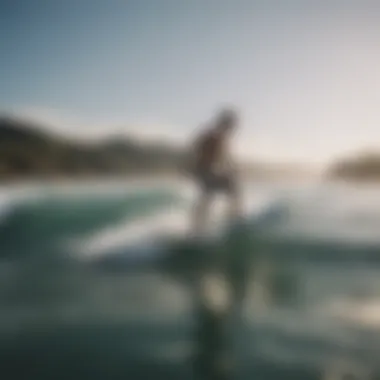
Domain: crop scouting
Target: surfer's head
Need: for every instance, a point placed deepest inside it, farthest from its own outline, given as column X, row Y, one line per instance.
column 226, row 120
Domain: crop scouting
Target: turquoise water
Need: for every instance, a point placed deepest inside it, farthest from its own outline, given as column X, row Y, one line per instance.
column 95, row 281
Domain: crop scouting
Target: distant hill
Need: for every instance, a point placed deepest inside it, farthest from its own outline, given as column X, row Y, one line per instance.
column 362, row 167
column 27, row 151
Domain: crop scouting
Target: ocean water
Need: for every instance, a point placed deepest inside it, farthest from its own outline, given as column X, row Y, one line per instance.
column 95, row 281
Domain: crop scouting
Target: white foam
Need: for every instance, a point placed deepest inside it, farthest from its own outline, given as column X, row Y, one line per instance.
column 141, row 232
column 362, row 312
column 351, row 216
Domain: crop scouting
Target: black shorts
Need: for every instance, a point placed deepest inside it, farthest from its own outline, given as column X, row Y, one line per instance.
column 211, row 182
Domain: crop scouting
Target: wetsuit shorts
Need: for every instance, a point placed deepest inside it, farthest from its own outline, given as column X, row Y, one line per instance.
column 211, row 182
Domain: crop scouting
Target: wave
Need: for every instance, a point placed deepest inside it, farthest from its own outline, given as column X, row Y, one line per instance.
column 151, row 236
column 137, row 220
column 42, row 225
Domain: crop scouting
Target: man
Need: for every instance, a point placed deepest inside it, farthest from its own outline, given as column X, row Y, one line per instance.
column 213, row 169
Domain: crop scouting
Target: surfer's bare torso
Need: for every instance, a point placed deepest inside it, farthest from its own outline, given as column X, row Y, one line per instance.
column 211, row 166
column 210, row 151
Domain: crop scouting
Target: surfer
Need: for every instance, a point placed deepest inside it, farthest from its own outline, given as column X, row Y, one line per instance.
column 213, row 169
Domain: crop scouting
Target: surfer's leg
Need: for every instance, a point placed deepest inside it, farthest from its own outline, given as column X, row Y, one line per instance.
column 234, row 201
column 201, row 213
column 202, row 206
column 234, row 207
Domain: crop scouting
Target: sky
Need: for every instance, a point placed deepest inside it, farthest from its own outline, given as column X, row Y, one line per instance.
column 304, row 75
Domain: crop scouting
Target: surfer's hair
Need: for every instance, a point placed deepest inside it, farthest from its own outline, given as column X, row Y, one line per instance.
column 227, row 117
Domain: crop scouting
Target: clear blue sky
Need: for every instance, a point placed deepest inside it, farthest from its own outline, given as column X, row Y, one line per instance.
column 304, row 74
